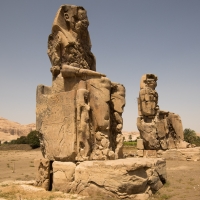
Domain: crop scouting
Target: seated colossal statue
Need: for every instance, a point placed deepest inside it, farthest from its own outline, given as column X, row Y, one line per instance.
column 80, row 116
column 159, row 129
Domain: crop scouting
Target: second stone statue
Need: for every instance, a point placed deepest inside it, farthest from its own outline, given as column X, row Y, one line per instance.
column 159, row 129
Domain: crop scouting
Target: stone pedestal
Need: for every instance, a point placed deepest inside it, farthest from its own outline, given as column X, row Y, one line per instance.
column 134, row 178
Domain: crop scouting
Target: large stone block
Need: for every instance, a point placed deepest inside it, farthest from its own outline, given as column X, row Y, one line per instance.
column 63, row 175
column 56, row 123
column 134, row 178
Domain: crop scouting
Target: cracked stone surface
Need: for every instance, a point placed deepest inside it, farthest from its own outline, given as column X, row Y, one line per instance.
column 118, row 178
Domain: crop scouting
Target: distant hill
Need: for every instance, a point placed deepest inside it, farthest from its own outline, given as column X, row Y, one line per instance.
column 12, row 130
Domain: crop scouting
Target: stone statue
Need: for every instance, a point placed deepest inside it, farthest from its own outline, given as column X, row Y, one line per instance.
column 80, row 116
column 83, row 132
column 159, row 129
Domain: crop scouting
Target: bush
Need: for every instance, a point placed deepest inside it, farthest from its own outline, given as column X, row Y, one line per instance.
column 21, row 140
column 191, row 137
column 32, row 139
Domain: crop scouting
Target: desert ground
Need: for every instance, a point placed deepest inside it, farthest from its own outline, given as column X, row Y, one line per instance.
column 17, row 173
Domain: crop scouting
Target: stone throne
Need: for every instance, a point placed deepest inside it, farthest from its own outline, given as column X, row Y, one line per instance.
column 80, row 116
column 159, row 129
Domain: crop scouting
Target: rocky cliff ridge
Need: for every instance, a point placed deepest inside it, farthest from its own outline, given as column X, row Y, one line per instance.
column 12, row 130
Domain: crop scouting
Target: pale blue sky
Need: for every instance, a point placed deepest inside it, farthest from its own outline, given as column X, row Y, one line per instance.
column 129, row 38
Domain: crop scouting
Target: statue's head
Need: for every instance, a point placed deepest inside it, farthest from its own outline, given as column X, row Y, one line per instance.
column 71, row 17
column 151, row 83
column 148, row 80
column 69, row 43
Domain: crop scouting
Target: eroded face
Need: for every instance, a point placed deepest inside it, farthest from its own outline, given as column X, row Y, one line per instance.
column 83, row 22
column 151, row 83
column 82, row 14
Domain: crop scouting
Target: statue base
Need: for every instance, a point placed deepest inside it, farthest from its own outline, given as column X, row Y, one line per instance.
column 135, row 178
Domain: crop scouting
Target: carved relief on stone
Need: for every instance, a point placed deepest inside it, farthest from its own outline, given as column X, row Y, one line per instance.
column 69, row 43
column 99, row 89
column 100, row 117
column 83, row 125
column 56, row 124
column 158, row 129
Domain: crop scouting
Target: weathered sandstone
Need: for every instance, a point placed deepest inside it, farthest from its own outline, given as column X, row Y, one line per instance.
column 43, row 173
column 131, row 178
column 80, row 117
column 159, row 129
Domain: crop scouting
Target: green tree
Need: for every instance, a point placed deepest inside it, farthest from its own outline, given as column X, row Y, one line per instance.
column 33, row 139
column 191, row 137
